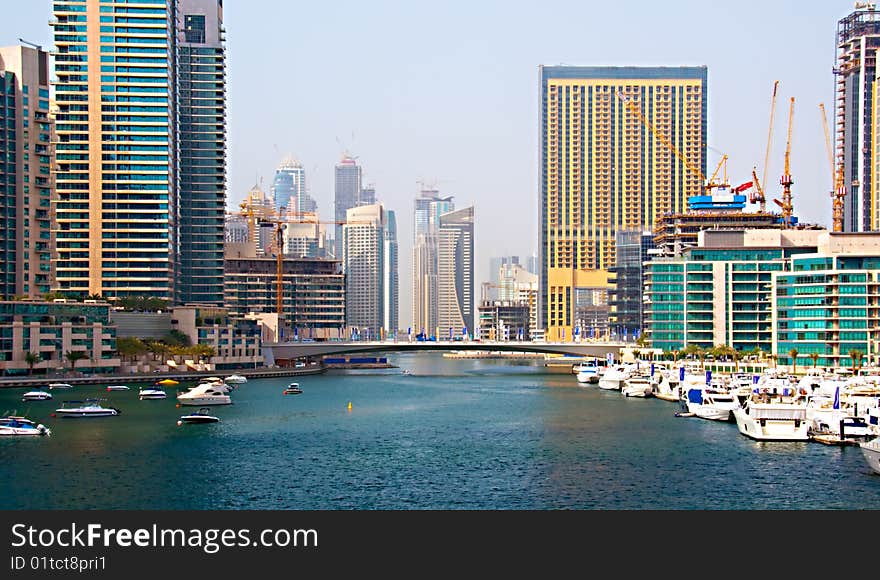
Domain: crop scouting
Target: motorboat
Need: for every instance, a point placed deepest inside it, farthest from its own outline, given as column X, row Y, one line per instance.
column 613, row 379
column 204, row 394
column 292, row 389
column 16, row 426
column 665, row 388
column 87, row 408
column 54, row 386
column 713, row 404
column 777, row 417
column 36, row 396
column 201, row 416
column 117, row 388
column 151, row 393
column 871, row 451
column 588, row 373
column 236, row 379
column 638, row 386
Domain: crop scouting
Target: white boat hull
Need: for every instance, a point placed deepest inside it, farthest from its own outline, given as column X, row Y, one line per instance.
column 871, row 451
column 771, row 429
column 204, row 401
column 77, row 413
column 711, row 412
column 23, row 431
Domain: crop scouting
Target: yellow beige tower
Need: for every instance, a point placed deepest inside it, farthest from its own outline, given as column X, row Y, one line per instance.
column 620, row 146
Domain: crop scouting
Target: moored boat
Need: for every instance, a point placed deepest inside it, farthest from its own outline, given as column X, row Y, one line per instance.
column 17, row 426
column 871, row 451
column 205, row 394
column 781, row 417
column 152, row 393
column 86, row 408
column 36, row 396
column 292, row 389
column 196, row 417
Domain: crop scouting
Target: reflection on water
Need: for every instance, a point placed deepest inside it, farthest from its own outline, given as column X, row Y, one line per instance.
column 451, row 434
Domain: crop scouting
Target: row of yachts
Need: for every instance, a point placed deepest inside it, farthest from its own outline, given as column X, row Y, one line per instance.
column 829, row 406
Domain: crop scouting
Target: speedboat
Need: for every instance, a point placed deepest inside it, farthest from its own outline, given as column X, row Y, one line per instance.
column 201, row 416
column 13, row 425
column 236, row 379
column 149, row 393
column 871, row 451
column 87, row 408
column 710, row 403
column 117, row 388
column 766, row 417
column 613, row 379
column 292, row 389
column 204, row 394
column 36, row 396
column 60, row 386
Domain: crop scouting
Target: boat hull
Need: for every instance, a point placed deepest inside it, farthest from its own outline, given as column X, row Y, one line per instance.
column 204, row 401
column 72, row 413
column 35, row 397
column 871, row 451
column 771, row 429
column 193, row 420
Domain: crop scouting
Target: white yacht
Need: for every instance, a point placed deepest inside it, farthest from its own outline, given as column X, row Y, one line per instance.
column 236, row 379
column 714, row 404
column 118, row 388
column 667, row 387
column 780, row 417
column 60, row 386
column 205, row 394
column 36, row 396
column 152, row 393
column 588, row 373
column 871, row 451
column 637, row 386
column 87, row 408
column 613, row 378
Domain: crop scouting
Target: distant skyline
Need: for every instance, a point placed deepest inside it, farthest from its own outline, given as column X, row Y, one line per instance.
column 448, row 94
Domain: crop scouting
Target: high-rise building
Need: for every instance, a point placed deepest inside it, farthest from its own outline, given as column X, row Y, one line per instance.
column 201, row 61
column 289, row 188
column 25, row 182
column 619, row 148
column 140, row 148
column 429, row 206
column 391, row 282
column 455, row 273
column 367, row 196
column 627, row 293
column 347, row 188
column 497, row 266
column 363, row 263
column 855, row 116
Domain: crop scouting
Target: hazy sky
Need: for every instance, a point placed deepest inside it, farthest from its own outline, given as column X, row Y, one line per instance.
column 448, row 93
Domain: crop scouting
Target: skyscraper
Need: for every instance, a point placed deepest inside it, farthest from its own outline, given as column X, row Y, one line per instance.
column 855, row 113
column 391, row 283
column 25, row 185
column 603, row 168
column 289, row 188
column 363, row 263
column 455, row 273
column 140, row 156
column 429, row 206
column 202, row 146
column 347, row 188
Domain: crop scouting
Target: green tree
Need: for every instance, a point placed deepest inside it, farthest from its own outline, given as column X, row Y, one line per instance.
column 793, row 353
column 73, row 356
column 815, row 357
column 130, row 347
column 31, row 359
column 176, row 338
column 856, row 356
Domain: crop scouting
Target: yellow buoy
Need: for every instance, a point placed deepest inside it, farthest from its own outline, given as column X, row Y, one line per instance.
column 349, row 405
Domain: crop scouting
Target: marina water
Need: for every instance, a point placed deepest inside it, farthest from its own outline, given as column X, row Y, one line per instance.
column 446, row 434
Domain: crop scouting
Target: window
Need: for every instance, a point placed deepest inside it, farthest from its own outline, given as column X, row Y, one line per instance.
column 194, row 28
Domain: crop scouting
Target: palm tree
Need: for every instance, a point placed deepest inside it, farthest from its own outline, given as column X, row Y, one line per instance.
column 815, row 357
column 75, row 355
column 793, row 353
column 31, row 359
column 856, row 356
column 773, row 358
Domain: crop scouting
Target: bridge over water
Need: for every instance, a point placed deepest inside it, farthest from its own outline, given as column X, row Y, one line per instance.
column 282, row 353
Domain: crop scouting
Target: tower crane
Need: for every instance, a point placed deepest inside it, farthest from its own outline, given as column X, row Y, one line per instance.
column 839, row 191
column 786, row 181
column 710, row 183
column 758, row 195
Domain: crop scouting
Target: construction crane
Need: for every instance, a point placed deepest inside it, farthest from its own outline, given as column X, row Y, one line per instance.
column 709, row 184
column 758, row 195
column 786, row 181
column 839, row 191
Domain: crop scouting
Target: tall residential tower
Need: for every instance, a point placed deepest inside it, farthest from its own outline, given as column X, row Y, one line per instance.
column 603, row 169
column 25, row 182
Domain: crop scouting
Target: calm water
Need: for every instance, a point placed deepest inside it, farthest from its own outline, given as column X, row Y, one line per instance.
column 455, row 434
